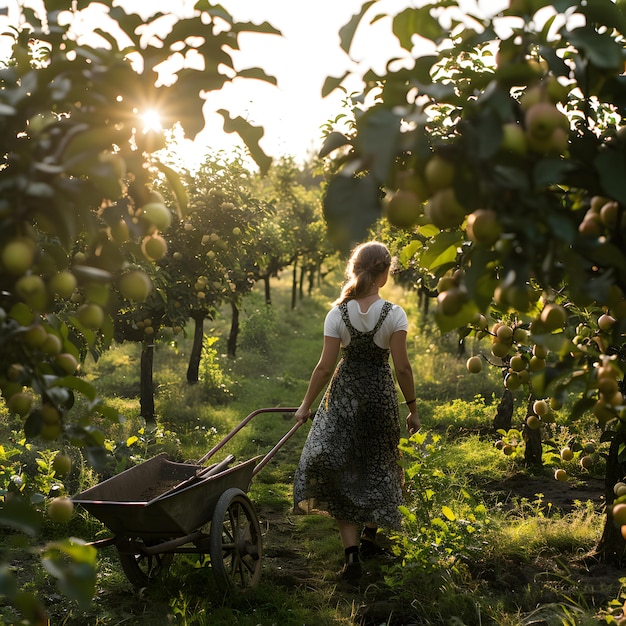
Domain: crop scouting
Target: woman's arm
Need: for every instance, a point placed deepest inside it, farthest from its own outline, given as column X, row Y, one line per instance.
column 320, row 376
column 404, row 375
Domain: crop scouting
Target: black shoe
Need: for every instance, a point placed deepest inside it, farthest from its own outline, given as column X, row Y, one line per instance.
column 351, row 572
column 370, row 550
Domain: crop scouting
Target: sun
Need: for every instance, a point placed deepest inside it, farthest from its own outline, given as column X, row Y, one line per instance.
column 151, row 120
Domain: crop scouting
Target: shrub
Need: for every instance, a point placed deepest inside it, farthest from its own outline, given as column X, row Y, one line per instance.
column 215, row 382
column 258, row 331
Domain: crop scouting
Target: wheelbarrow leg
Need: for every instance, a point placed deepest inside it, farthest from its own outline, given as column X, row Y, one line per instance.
column 236, row 545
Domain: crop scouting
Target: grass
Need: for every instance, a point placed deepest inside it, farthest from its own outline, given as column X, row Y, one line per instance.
column 474, row 555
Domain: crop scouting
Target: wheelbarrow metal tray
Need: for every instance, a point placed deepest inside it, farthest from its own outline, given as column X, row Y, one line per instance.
column 140, row 501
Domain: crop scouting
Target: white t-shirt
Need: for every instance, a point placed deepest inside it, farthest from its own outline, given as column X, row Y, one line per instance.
column 396, row 320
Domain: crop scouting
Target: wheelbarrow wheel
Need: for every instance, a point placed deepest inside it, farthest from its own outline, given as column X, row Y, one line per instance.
column 235, row 541
column 143, row 569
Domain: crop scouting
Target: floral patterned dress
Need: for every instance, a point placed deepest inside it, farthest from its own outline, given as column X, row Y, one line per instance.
column 349, row 464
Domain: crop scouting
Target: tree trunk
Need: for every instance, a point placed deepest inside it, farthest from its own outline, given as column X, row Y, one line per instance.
column 612, row 546
column 294, row 284
column 266, row 283
column 231, row 346
column 193, row 368
column 504, row 412
column 146, row 387
column 301, row 284
column 533, row 448
column 312, row 274
column 532, row 439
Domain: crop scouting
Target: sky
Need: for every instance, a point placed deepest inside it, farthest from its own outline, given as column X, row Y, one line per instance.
column 293, row 112
column 308, row 51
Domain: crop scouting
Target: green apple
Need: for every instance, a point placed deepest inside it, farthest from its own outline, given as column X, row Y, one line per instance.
column 514, row 139
column 62, row 464
column 63, row 283
column 158, row 214
column 404, row 209
column 20, row 403
column 483, row 227
column 542, row 119
column 619, row 514
column 90, row 316
column 606, row 322
column 119, row 232
column 560, row 474
column 35, row 336
column 18, row 256
column 553, row 316
column 532, row 421
column 52, row 344
column 451, row 301
column 61, row 509
column 474, row 364
column 444, row 210
column 67, row 362
column 135, row 285
column 32, row 289
column 541, row 407
column 439, row 173
column 154, row 247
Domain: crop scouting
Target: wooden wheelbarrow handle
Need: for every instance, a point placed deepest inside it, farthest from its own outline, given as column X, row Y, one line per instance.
column 245, row 421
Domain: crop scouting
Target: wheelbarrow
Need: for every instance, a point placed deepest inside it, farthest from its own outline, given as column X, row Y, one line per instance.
column 160, row 508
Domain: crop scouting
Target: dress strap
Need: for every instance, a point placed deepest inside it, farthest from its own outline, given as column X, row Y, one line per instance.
column 343, row 309
column 383, row 315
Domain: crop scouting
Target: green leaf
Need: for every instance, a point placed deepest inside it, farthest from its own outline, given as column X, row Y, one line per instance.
column 351, row 206
column 606, row 13
column 73, row 564
column 428, row 230
column 173, row 179
column 378, row 132
column 249, row 27
column 258, row 74
column 333, row 141
column 442, row 250
column 78, row 384
column 21, row 314
column 251, row 136
column 551, row 172
column 602, row 50
column 331, row 83
column 448, row 513
column 8, row 582
column 346, row 33
column 409, row 251
column 611, row 165
column 420, row 22
column 447, row 323
column 17, row 513
column 97, row 457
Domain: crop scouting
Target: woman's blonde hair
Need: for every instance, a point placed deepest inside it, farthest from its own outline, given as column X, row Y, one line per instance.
column 367, row 262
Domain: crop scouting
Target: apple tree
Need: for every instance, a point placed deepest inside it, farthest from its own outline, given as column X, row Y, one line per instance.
column 214, row 250
column 76, row 177
column 503, row 144
column 297, row 202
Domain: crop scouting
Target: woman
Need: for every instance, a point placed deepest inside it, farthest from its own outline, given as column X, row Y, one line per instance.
column 349, row 464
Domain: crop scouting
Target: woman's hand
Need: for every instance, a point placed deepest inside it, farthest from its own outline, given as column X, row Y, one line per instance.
column 302, row 414
column 413, row 423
